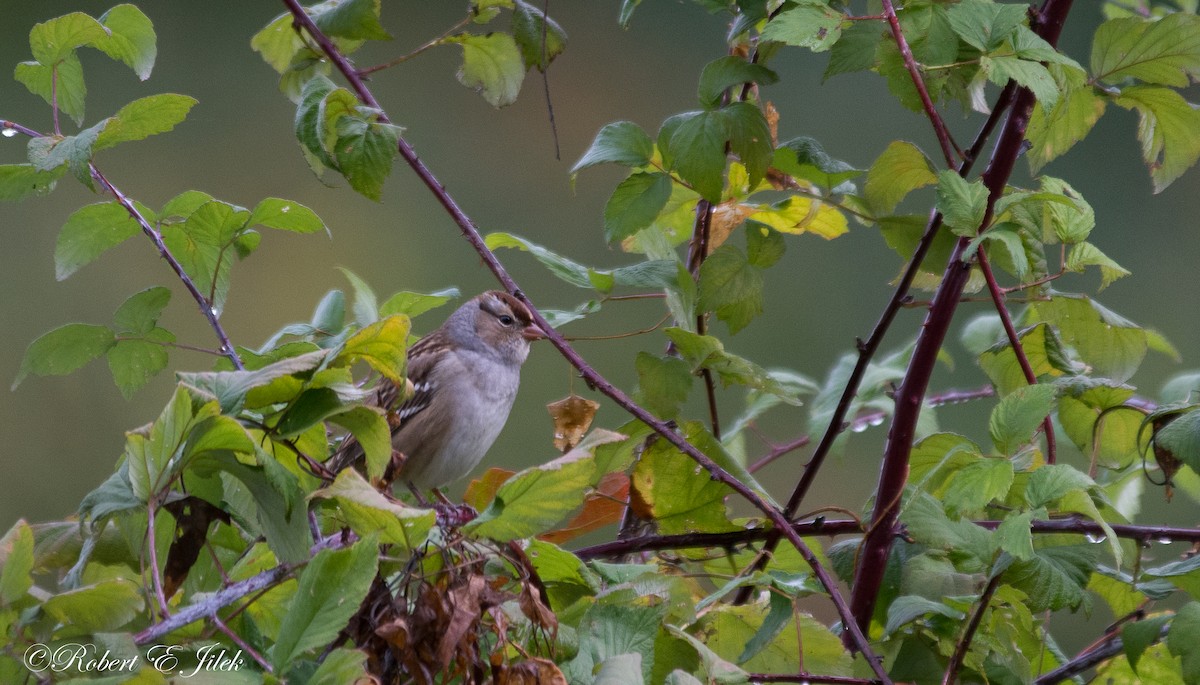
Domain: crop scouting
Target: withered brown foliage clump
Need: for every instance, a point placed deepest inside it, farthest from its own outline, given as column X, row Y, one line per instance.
column 449, row 617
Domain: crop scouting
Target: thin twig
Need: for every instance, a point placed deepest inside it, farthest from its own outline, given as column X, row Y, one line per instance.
column 152, row 549
column 165, row 343
column 593, row 378
column 1018, row 349
column 697, row 253
column 964, row 641
column 545, row 69
column 868, row 419
column 155, row 237
column 949, row 148
column 241, row 643
column 616, row 336
column 433, row 43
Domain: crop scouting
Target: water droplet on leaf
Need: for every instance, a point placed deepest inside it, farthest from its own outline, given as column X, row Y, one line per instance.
column 9, row 132
column 1095, row 538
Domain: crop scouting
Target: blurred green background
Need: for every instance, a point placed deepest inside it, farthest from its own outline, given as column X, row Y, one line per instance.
column 60, row 437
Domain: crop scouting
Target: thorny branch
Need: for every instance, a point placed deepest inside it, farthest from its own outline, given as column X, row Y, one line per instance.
column 471, row 233
column 152, row 233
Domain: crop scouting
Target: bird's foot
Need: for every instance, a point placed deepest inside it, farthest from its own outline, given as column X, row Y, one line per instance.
column 451, row 515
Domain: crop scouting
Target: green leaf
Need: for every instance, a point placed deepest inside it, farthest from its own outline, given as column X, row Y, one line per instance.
column 1167, row 126
column 635, row 204
column 901, row 169
column 88, row 233
column 1183, row 639
column 414, row 304
column 725, row 72
column 705, row 351
column 650, row 274
column 342, row 665
column 64, row 350
column 811, row 25
column 310, row 407
column 804, row 158
column 182, row 205
column 285, row 215
column 1138, row 635
column 330, row 590
column 371, row 430
column 1089, row 414
column 536, row 499
column 134, row 362
column 382, row 345
column 764, row 247
column 984, row 24
column 1014, row 535
column 1027, row 73
column 1086, row 254
column 1043, row 350
column 855, row 50
column 74, row 151
column 663, row 384
column 1053, row 131
column 1018, row 414
column 138, row 314
column 732, row 287
column 364, row 152
column 1052, row 482
column 679, row 496
column 1112, row 345
column 973, row 487
column 54, row 40
column 367, row 511
column 621, row 142
column 1055, row 578
column 492, row 66
column 103, row 607
column 352, row 19
column 62, row 83
column 143, row 118
column 1164, row 51
column 229, row 388
column 749, row 138
column 908, row 608
column 529, row 27
column 16, row 563
column 19, row 181
column 1181, row 437
column 266, row 495
column 203, row 243
column 131, row 39
column 696, row 148
column 962, row 204
column 366, row 304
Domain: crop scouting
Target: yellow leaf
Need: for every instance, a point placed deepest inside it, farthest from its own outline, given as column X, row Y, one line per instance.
column 804, row 215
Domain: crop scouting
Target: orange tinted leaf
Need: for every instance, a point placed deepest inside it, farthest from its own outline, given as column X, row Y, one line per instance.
column 603, row 506
column 482, row 490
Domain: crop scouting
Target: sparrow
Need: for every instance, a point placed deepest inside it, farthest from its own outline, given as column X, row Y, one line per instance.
column 464, row 378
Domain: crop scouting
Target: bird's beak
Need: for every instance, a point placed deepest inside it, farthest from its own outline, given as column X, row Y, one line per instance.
column 533, row 332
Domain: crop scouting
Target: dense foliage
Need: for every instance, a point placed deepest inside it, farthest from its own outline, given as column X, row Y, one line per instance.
column 223, row 545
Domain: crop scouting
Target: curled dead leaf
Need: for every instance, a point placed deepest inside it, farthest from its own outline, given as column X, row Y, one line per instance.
column 772, row 116
column 535, row 671
column 725, row 218
column 572, row 417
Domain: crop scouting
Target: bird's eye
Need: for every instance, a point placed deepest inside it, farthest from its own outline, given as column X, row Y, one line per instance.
column 506, row 320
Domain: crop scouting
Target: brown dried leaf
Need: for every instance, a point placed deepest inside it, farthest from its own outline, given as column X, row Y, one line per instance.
column 572, row 417
column 482, row 490
column 536, row 671
column 536, row 610
column 600, row 508
column 725, row 218
column 465, row 613
column 772, row 115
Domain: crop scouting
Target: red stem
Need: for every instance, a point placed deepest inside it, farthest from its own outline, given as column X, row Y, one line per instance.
column 872, row 557
column 1018, row 348
column 939, row 127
